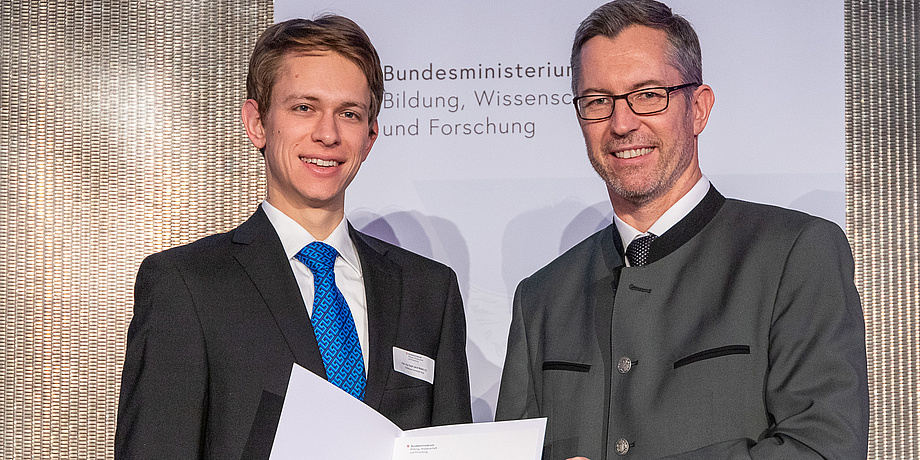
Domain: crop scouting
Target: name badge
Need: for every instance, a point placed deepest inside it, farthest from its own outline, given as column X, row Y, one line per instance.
column 413, row 364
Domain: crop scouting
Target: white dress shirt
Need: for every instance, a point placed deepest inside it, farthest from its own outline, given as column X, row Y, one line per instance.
column 348, row 276
column 670, row 217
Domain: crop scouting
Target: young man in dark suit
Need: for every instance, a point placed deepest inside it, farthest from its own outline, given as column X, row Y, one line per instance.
column 218, row 323
column 694, row 326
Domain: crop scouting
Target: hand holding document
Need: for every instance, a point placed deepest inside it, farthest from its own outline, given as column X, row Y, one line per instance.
column 321, row 421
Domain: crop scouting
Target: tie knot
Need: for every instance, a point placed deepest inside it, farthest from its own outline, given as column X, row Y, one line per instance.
column 637, row 252
column 318, row 257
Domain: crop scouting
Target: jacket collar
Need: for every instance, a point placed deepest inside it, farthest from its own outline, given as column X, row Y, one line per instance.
column 681, row 232
column 383, row 291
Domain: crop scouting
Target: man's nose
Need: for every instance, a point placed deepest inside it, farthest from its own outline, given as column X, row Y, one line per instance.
column 326, row 130
column 623, row 120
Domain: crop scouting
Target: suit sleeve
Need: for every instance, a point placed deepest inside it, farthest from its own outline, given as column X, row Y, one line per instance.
column 451, row 391
column 816, row 388
column 517, row 396
column 161, row 409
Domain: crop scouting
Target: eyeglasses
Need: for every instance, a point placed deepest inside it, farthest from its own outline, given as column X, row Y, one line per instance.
column 645, row 101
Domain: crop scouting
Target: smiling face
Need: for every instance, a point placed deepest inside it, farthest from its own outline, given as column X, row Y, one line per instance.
column 644, row 159
column 315, row 133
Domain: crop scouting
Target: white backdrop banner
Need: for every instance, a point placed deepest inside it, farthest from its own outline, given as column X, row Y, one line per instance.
column 481, row 164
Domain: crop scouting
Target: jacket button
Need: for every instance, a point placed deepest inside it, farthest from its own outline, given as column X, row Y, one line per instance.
column 622, row 446
column 624, row 365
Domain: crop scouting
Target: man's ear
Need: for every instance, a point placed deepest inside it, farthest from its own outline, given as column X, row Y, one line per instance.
column 252, row 121
column 703, row 100
column 371, row 138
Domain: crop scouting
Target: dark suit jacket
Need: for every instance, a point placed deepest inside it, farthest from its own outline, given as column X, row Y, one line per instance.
column 218, row 323
column 743, row 337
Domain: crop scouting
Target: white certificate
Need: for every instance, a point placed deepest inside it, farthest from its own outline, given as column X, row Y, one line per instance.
column 319, row 420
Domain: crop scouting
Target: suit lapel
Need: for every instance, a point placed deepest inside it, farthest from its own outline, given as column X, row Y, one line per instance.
column 258, row 249
column 383, row 292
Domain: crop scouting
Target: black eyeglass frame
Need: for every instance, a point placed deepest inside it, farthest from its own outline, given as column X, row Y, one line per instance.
column 625, row 96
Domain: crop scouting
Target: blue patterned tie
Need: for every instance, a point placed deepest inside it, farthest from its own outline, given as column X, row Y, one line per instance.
column 332, row 322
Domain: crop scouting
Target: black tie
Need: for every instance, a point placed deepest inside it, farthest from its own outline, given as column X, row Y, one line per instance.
column 637, row 252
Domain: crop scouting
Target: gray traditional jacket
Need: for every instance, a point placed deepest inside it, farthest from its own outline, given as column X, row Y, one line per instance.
column 742, row 338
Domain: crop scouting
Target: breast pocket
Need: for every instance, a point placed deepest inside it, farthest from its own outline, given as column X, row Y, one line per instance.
column 722, row 386
column 713, row 353
column 565, row 366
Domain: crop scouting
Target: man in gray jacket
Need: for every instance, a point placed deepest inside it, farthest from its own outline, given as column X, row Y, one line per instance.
column 694, row 326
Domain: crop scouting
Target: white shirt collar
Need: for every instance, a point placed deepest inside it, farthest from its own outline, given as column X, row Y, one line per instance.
column 670, row 217
column 294, row 237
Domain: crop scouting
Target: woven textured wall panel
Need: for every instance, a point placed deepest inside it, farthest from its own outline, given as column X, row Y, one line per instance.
column 883, row 210
column 119, row 137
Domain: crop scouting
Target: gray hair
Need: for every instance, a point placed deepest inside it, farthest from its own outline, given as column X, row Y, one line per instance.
column 610, row 19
